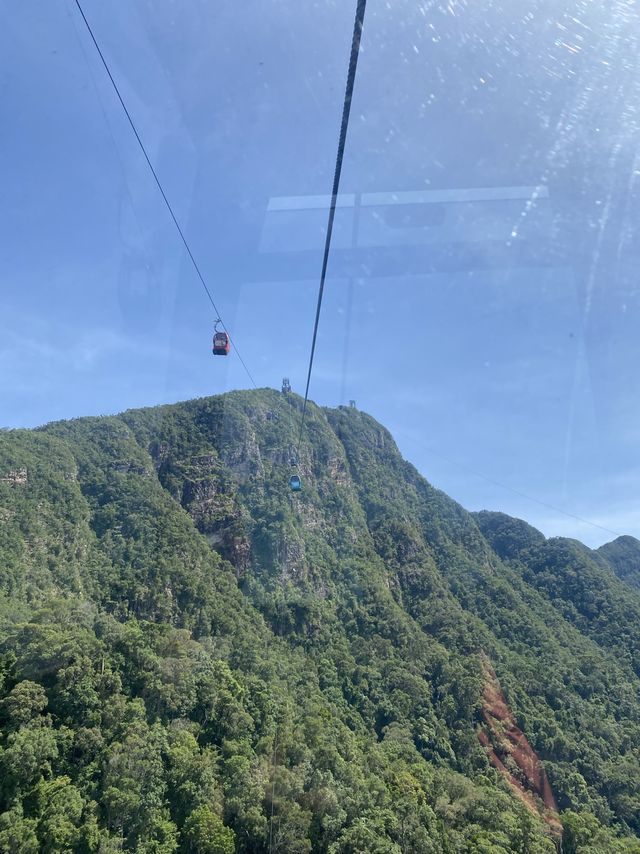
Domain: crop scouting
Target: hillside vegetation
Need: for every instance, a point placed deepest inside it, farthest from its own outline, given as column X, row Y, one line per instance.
column 195, row 659
column 623, row 555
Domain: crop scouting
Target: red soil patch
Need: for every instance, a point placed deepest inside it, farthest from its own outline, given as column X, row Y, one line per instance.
column 502, row 739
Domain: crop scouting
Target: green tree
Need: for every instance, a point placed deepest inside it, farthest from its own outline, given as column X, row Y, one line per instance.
column 206, row 834
column 17, row 833
column 27, row 759
column 24, row 702
column 60, row 806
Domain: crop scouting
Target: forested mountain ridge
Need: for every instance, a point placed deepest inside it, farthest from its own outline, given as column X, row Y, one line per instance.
column 195, row 659
column 623, row 555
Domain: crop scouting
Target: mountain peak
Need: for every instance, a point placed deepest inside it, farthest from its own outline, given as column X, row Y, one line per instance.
column 507, row 535
column 623, row 556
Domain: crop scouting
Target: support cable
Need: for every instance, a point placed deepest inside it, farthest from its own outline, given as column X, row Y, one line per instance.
column 160, row 188
column 430, row 450
column 351, row 76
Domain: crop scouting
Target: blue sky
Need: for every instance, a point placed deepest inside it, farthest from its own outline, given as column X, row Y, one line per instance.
column 482, row 299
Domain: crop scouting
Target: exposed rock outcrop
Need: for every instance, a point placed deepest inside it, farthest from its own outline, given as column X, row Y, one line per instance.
column 511, row 754
column 15, row 477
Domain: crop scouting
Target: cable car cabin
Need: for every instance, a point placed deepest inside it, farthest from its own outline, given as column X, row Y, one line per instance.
column 295, row 483
column 221, row 344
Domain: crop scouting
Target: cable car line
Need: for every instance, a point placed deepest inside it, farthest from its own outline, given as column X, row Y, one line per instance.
column 504, row 486
column 351, row 76
column 161, row 189
column 295, row 482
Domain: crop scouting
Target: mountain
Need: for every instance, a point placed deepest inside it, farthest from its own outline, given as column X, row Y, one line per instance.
column 623, row 555
column 193, row 658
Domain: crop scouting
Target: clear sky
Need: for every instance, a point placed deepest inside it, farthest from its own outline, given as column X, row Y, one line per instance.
column 483, row 295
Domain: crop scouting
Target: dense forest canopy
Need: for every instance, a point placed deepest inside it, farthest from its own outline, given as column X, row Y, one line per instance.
column 195, row 659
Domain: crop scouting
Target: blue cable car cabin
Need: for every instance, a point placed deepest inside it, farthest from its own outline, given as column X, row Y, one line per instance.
column 221, row 344
column 295, row 483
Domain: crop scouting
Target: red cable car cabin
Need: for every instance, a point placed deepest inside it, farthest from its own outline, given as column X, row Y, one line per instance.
column 221, row 344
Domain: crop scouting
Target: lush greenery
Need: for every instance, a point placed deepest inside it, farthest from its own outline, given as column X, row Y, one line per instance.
column 623, row 556
column 194, row 659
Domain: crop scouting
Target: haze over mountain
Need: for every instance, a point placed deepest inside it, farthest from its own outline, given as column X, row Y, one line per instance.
column 193, row 658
